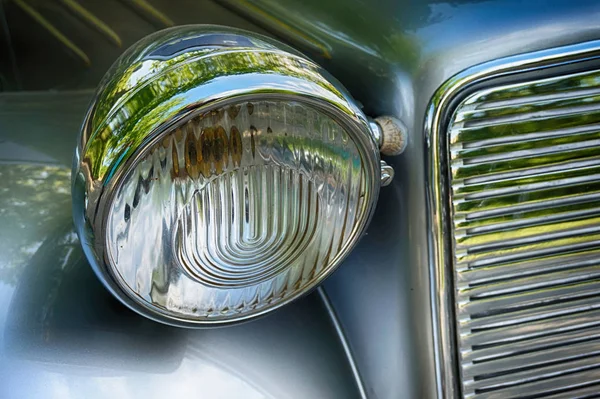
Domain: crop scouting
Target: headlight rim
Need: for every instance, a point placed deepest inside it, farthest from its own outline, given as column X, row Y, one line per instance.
column 354, row 122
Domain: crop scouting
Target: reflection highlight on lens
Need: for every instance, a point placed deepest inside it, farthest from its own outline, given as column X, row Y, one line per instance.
column 236, row 210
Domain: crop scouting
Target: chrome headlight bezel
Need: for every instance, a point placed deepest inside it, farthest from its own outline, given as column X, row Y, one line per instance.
column 130, row 113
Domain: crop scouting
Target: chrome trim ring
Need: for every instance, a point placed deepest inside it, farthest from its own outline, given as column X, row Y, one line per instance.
column 166, row 79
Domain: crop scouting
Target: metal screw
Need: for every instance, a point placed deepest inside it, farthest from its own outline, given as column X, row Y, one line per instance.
column 387, row 174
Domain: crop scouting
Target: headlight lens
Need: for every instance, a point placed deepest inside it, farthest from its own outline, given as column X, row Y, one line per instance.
column 237, row 209
column 219, row 176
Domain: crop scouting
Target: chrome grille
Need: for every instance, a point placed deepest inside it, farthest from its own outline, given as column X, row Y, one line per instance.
column 525, row 216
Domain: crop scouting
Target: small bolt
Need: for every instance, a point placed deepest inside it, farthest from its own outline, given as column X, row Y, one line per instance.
column 387, row 174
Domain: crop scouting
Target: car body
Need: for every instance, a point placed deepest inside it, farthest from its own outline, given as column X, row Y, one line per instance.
column 373, row 329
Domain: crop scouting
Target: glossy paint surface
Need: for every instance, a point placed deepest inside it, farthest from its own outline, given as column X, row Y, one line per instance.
column 62, row 334
column 392, row 56
column 407, row 49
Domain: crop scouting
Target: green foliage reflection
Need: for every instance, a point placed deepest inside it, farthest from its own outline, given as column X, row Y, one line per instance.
column 33, row 200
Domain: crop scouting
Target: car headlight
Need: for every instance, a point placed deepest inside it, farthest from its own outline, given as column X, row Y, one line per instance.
column 219, row 175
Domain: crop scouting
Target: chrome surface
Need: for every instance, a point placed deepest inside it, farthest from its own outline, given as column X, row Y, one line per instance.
column 63, row 335
column 158, row 85
column 393, row 56
column 240, row 207
column 387, row 174
column 514, row 253
column 524, row 162
column 376, row 130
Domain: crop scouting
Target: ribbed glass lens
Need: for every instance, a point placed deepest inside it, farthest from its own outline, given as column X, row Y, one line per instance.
column 237, row 210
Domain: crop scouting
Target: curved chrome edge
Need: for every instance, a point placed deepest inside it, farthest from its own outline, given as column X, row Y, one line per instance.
column 117, row 285
column 441, row 280
column 344, row 342
column 98, row 173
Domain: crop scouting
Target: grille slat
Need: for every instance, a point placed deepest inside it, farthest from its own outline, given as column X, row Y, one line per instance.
column 528, row 330
column 525, row 206
column 533, row 125
column 526, row 93
column 557, row 384
column 533, row 366
column 521, row 166
column 525, row 106
column 544, row 343
column 480, row 276
column 530, row 298
column 514, row 286
column 511, row 186
column 585, row 392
